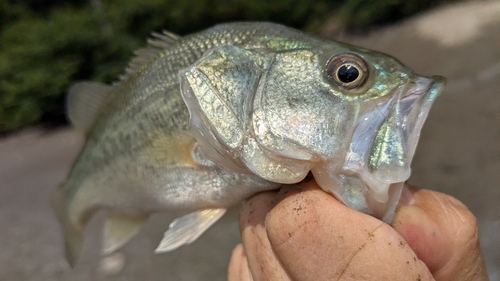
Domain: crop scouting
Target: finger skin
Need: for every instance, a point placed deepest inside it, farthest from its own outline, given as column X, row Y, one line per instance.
column 262, row 261
column 238, row 269
column 443, row 233
column 315, row 237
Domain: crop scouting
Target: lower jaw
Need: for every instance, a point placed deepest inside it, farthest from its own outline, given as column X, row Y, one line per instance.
column 351, row 189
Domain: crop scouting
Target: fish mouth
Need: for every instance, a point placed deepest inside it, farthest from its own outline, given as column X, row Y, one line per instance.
column 382, row 147
column 415, row 106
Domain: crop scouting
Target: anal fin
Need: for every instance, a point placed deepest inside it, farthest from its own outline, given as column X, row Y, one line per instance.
column 188, row 228
column 118, row 230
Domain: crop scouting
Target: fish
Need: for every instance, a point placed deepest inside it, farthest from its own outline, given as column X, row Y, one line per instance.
column 200, row 123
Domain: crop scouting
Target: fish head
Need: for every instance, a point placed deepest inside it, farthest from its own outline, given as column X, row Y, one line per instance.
column 393, row 103
column 350, row 116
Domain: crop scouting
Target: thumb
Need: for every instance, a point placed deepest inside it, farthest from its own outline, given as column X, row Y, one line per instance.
column 442, row 232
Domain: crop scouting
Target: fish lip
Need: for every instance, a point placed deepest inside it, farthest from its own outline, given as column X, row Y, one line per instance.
column 429, row 87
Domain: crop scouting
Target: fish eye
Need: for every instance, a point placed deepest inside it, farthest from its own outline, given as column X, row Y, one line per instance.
column 348, row 70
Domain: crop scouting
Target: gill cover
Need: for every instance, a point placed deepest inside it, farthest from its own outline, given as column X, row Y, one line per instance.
column 263, row 112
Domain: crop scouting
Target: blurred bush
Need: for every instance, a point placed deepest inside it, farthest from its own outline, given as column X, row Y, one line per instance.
column 46, row 44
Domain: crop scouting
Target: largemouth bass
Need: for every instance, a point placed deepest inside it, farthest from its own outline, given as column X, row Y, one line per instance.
column 200, row 123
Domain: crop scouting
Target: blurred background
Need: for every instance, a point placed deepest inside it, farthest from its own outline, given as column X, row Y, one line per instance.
column 47, row 44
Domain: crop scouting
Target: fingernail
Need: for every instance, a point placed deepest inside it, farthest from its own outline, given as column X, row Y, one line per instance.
column 406, row 196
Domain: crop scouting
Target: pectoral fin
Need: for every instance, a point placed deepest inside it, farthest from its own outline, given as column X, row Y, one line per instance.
column 118, row 230
column 188, row 228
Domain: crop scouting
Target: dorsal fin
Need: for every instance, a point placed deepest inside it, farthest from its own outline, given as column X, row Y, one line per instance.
column 156, row 44
column 84, row 101
column 162, row 40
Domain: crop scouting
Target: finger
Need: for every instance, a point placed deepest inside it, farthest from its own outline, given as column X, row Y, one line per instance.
column 315, row 237
column 238, row 266
column 443, row 233
column 261, row 259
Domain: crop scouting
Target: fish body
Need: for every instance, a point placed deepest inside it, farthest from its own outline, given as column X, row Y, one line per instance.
column 200, row 123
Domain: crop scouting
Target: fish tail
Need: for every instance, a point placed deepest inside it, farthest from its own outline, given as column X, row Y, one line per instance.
column 73, row 237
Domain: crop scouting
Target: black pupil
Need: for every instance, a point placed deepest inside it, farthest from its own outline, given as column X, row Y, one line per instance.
column 347, row 73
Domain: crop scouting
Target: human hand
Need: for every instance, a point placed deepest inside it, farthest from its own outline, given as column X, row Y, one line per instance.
column 302, row 233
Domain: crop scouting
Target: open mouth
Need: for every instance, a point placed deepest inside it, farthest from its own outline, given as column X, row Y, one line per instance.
column 415, row 107
column 383, row 144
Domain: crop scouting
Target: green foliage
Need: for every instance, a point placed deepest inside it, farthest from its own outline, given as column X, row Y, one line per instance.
column 44, row 45
column 360, row 13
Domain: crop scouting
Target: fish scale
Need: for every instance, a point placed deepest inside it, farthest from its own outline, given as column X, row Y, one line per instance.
column 200, row 123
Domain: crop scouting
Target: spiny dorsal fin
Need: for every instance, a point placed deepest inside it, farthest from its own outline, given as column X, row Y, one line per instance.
column 162, row 40
column 84, row 101
column 156, row 44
